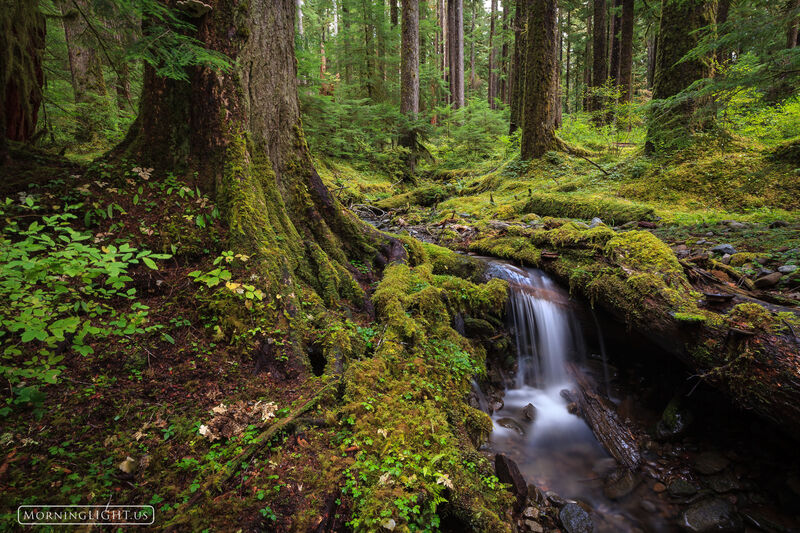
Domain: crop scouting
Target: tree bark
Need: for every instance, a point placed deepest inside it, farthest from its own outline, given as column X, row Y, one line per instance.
column 409, row 73
column 455, row 28
column 518, row 71
column 626, row 52
column 492, row 89
column 504, row 56
column 679, row 33
column 587, row 65
column 393, row 13
column 569, row 54
column 794, row 24
column 22, row 40
column 538, row 127
column 614, row 61
column 239, row 132
column 600, row 57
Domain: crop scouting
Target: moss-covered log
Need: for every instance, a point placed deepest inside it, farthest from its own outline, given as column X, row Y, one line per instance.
column 745, row 349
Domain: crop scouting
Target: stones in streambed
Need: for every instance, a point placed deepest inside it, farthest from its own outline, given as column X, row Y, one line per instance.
column 768, row 281
column 710, row 463
column 724, row 249
column 724, row 482
column 510, row 423
column 705, row 516
column 529, row 412
column 681, row 488
column 596, row 221
column 508, row 472
column 575, row 519
column 787, row 269
column 620, row 483
column 674, row 420
column 495, row 405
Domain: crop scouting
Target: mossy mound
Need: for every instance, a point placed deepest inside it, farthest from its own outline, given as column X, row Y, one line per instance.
column 566, row 205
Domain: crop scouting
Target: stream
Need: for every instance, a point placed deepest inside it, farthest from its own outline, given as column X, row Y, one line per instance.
column 555, row 450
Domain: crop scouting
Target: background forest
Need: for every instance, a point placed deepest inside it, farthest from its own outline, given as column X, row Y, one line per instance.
column 236, row 272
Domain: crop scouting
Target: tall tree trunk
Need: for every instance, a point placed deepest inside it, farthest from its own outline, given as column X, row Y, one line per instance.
column 88, row 84
column 240, row 131
column 393, row 13
column 346, row 44
column 538, row 127
column 678, row 33
column 504, row 56
column 456, row 51
column 518, row 70
column 567, row 69
column 794, row 24
column 587, row 65
column 409, row 74
column 492, row 89
column 299, row 10
column 559, row 59
column 614, row 61
column 626, row 51
column 380, row 74
column 369, row 52
column 652, row 52
column 473, row 77
column 22, row 40
column 600, row 57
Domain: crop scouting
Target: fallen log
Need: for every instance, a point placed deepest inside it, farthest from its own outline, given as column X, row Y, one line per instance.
column 602, row 418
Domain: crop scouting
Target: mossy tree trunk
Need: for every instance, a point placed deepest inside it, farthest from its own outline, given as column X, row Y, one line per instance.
column 86, row 69
column 239, row 133
column 539, row 109
column 22, row 32
column 599, row 51
column 518, row 67
column 672, row 120
column 409, row 75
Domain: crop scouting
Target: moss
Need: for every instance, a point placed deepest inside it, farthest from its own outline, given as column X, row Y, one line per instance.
column 424, row 196
column 644, row 252
column 742, row 258
column 446, row 261
column 570, row 234
column 689, row 318
column 515, row 248
column 752, row 316
column 575, row 206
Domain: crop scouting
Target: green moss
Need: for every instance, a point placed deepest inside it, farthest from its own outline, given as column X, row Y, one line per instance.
column 515, row 248
column 424, row 196
column 642, row 251
column 742, row 258
column 752, row 316
column 611, row 210
column 689, row 318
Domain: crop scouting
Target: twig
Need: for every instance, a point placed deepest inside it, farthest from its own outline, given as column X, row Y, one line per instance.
column 592, row 162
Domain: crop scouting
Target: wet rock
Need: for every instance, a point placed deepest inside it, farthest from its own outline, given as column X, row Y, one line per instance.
column 536, row 495
column 508, row 472
column 787, row 269
column 572, row 408
column 534, row 526
column 575, row 519
column 659, row 487
column 725, row 482
column 768, row 281
column 531, row 513
column 710, row 463
column 726, row 259
column 510, row 423
column 674, row 420
column 529, row 412
column 764, row 272
column 778, row 224
column 716, row 515
column 557, row 500
column 596, row 221
column 620, row 483
column 648, row 506
column 495, row 405
column 681, row 488
column 476, row 327
column 724, row 249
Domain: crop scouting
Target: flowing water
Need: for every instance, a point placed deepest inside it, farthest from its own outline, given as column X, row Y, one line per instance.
column 556, row 450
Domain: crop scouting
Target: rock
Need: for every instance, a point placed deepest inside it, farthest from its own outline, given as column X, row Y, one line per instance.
column 724, row 249
column 659, row 487
column 572, row 408
column 737, row 225
column 764, row 272
column 476, row 327
column 787, row 269
column 710, row 463
column 725, row 482
column 536, row 495
column 510, row 423
column 557, row 500
column 710, row 234
column 647, row 225
column 778, row 224
column 762, row 260
column 531, row 513
column 701, row 241
column 575, row 519
column 128, row 465
column 534, row 526
column 716, row 515
column 648, row 506
column 620, row 483
column 495, row 405
column 680, row 488
column 768, row 281
column 596, row 221
column 529, row 412
column 508, row 472
column 726, row 259
column 628, row 225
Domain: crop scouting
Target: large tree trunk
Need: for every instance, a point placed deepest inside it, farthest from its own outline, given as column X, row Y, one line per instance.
column 538, row 127
column 409, row 72
column 614, row 61
column 517, row 69
column 587, row 65
column 794, row 24
column 393, row 13
column 504, row 56
column 678, row 33
column 600, row 57
column 239, row 133
column 22, row 32
column 626, row 51
column 88, row 84
column 455, row 28
column 492, row 89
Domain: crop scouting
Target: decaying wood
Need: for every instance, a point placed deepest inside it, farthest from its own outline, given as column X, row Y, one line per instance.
column 602, row 418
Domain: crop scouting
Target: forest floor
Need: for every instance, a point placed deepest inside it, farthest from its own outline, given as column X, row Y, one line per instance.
column 157, row 415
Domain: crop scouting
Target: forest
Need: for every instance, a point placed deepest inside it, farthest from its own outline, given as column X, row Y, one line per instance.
column 400, row 265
